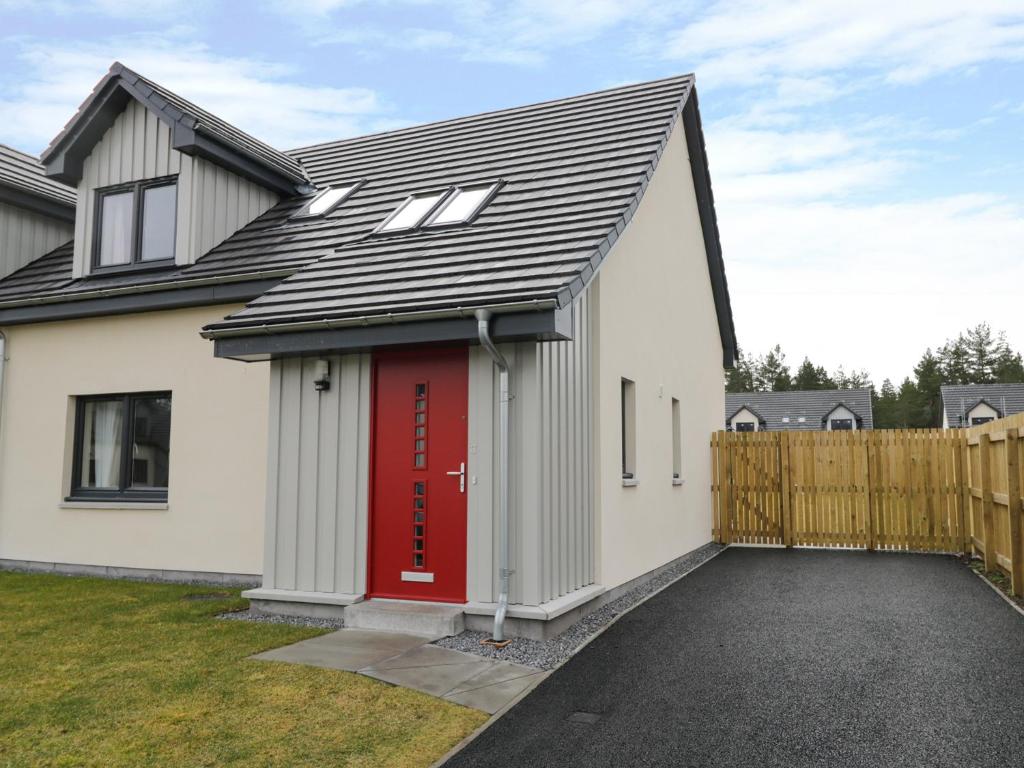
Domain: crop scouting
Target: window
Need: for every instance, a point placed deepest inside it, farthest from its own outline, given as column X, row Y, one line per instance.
column 411, row 212
column 135, row 224
column 677, row 443
column 975, row 420
column 842, row 424
column 448, row 207
column 628, row 430
column 122, row 447
column 326, row 201
column 462, row 205
column 743, row 426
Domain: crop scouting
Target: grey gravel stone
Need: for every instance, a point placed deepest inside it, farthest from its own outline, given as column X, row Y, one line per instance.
column 549, row 654
column 272, row 618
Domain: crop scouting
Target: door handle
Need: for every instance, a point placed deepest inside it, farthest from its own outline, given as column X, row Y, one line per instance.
column 461, row 475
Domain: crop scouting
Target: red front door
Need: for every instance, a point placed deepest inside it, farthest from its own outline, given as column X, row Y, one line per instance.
column 418, row 506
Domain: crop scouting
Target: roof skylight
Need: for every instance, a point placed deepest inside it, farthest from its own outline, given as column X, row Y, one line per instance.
column 463, row 205
column 455, row 205
column 325, row 202
column 412, row 212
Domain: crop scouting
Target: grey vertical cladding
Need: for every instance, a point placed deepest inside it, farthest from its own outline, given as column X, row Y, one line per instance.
column 552, row 467
column 213, row 203
column 26, row 235
column 318, row 474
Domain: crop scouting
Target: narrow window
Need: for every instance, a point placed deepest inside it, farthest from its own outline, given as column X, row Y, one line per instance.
column 122, row 447
column 976, row 420
column 841, row 424
column 463, row 205
column 135, row 224
column 628, row 430
column 744, row 426
column 413, row 210
column 677, row 443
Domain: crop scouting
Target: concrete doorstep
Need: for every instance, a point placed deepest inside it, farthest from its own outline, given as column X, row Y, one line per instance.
column 410, row 661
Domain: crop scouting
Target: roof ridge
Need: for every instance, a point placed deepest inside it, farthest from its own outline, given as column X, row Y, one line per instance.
column 500, row 111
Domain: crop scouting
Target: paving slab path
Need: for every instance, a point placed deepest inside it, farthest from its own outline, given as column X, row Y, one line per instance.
column 409, row 661
column 766, row 657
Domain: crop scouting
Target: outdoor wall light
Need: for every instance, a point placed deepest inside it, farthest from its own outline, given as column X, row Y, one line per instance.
column 322, row 377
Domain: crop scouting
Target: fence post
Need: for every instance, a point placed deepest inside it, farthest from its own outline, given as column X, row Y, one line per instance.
column 1014, row 511
column 785, row 483
column 725, row 483
column 964, row 517
column 987, row 511
column 869, row 457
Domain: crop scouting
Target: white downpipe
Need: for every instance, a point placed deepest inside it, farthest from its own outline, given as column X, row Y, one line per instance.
column 483, row 317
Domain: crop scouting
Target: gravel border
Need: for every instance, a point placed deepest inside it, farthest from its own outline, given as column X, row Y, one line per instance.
column 549, row 654
column 273, row 618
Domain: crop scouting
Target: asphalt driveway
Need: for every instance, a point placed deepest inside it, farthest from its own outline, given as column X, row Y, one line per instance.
column 786, row 658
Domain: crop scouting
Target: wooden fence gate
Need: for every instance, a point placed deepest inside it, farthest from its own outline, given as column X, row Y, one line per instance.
column 931, row 490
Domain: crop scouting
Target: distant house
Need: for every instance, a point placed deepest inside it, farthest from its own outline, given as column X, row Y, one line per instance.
column 965, row 405
column 820, row 409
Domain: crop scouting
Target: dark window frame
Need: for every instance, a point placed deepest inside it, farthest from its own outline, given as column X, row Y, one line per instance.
column 744, row 426
column 976, row 420
column 124, row 492
column 138, row 189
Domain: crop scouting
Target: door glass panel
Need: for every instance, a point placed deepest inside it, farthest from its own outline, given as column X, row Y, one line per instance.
column 419, row 528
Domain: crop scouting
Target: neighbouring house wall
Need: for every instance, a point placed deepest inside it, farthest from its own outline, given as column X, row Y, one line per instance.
column 214, row 515
column 656, row 325
column 26, row 235
column 317, row 476
column 213, row 203
column 552, row 467
column 841, row 413
column 745, row 415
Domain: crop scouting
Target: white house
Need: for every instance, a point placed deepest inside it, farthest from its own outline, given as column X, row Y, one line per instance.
column 473, row 363
column 966, row 405
column 819, row 409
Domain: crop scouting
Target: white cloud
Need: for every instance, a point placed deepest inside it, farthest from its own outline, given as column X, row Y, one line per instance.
column 261, row 97
column 872, row 285
column 749, row 41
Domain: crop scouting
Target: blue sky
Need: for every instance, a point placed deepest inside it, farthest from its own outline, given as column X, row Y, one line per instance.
column 867, row 157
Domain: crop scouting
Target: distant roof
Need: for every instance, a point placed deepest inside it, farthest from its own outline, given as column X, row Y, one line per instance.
column 194, row 131
column 959, row 399
column 23, row 176
column 811, row 405
column 573, row 172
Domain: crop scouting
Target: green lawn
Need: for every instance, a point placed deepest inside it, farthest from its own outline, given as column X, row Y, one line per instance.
column 114, row 673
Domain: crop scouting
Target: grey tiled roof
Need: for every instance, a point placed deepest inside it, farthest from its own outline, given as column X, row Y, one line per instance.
column 958, row 399
column 572, row 170
column 811, row 405
column 24, row 172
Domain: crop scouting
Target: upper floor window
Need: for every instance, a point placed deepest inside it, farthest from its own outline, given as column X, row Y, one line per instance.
column 447, row 207
column 327, row 200
column 135, row 224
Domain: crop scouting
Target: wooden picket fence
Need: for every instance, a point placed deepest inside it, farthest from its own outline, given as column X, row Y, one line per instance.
column 994, row 508
column 901, row 490
column 927, row 490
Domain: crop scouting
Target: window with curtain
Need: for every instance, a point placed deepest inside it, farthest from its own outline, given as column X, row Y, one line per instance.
column 122, row 447
column 135, row 225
